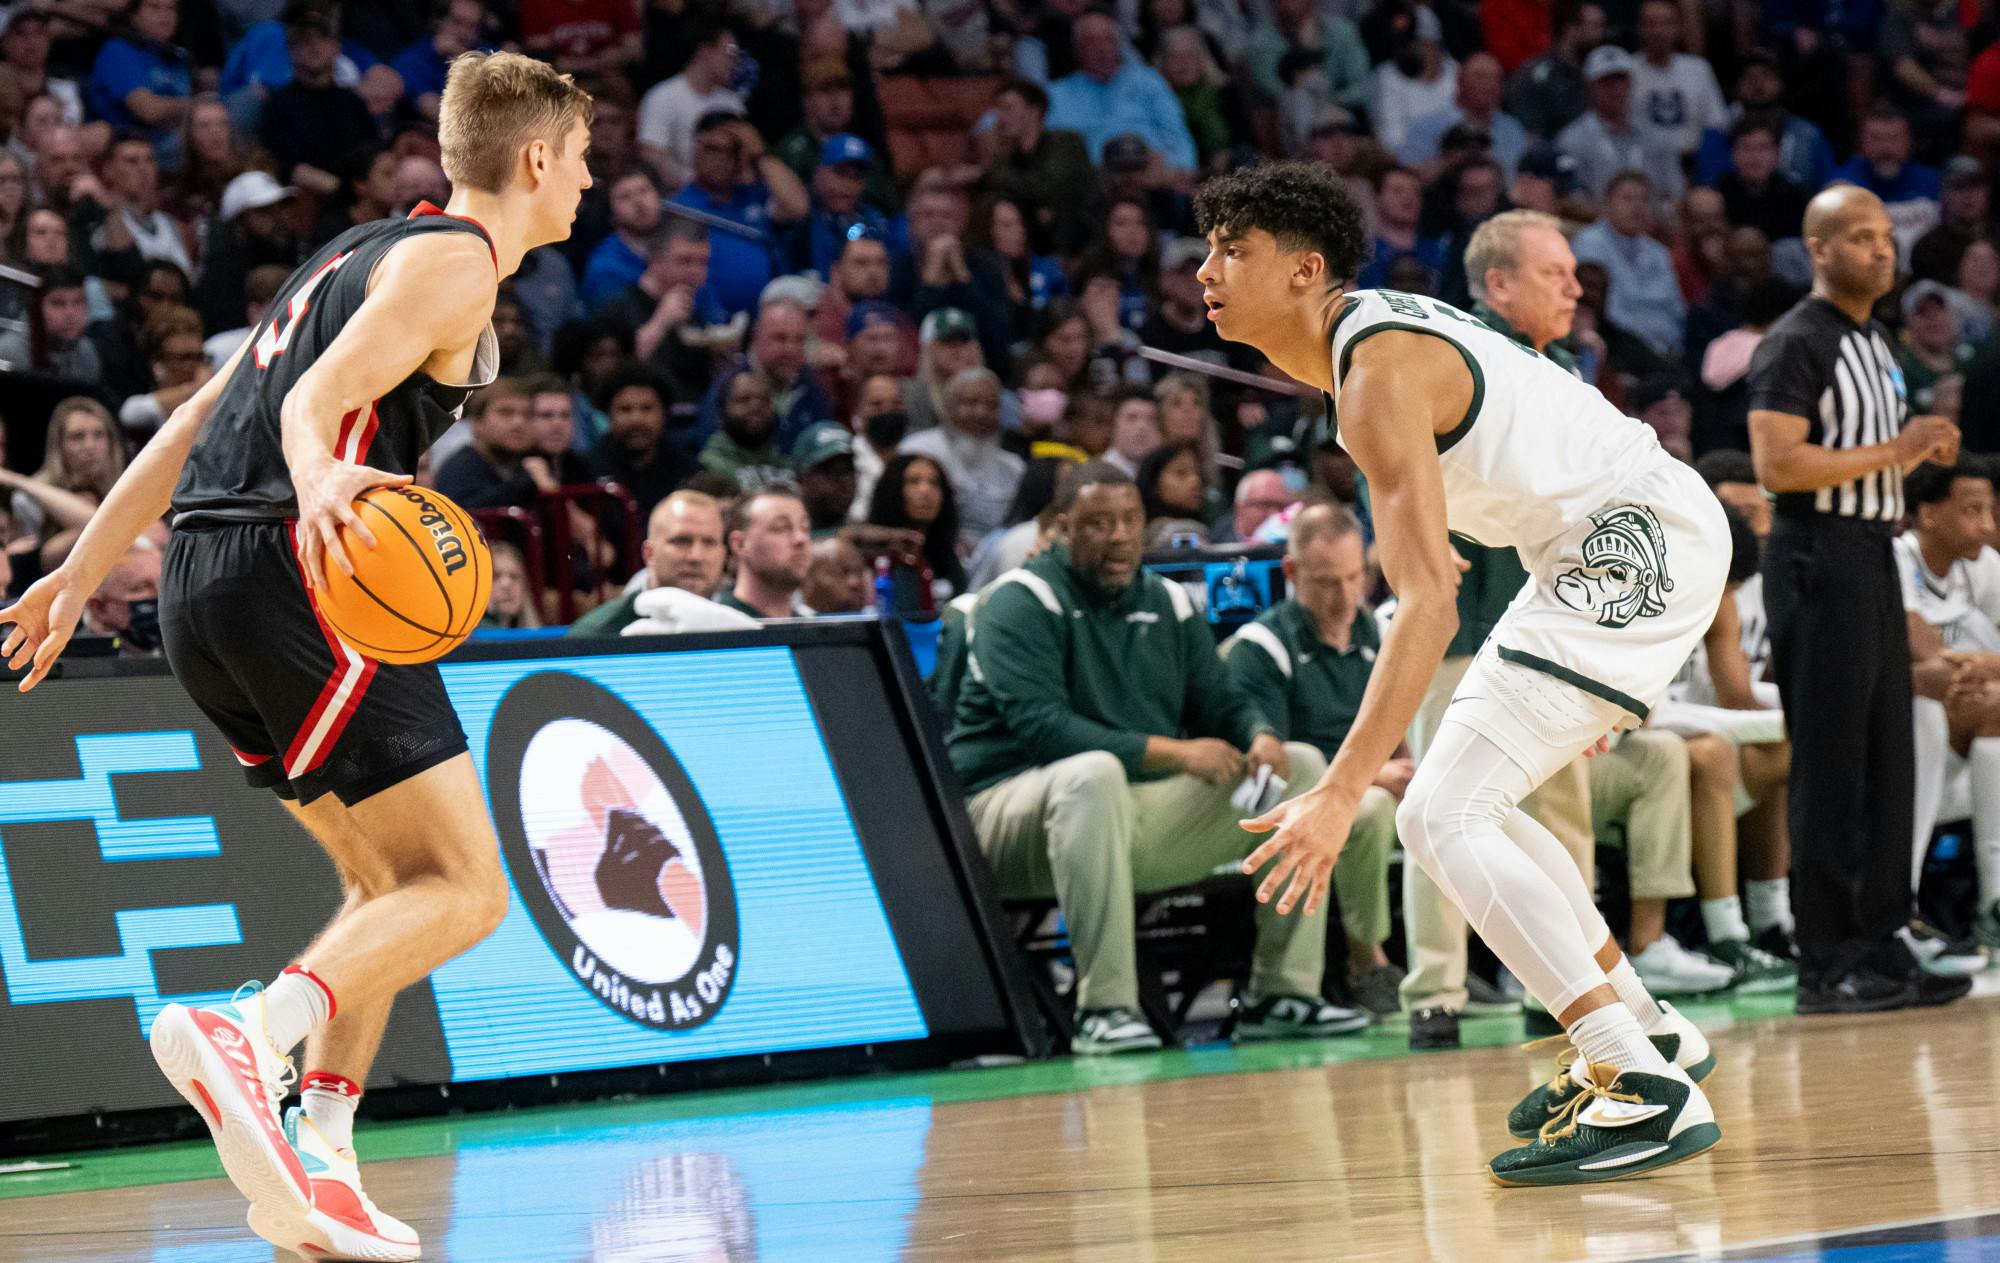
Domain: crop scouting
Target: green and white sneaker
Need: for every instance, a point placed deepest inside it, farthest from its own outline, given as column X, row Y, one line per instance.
column 1616, row 1126
column 1107, row 1032
column 1681, row 1043
column 1298, row 1017
column 1756, row 969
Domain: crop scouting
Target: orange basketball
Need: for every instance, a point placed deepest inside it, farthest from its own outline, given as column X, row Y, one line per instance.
column 421, row 590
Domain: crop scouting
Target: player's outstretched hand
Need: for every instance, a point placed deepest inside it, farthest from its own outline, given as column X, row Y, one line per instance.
column 1310, row 831
column 42, row 622
column 327, row 492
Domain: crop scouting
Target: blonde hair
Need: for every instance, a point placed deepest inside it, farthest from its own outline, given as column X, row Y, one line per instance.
column 56, row 472
column 1497, row 244
column 493, row 104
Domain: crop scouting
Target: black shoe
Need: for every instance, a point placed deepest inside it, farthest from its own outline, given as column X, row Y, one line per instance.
column 1778, row 941
column 1376, row 990
column 1862, row 990
column 1935, row 989
column 1433, row 1029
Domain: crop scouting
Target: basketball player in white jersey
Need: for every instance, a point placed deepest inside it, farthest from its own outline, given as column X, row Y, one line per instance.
column 1459, row 429
column 1951, row 593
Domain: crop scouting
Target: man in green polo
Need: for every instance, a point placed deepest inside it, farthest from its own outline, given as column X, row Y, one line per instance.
column 1104, row 752
column 1305, row 663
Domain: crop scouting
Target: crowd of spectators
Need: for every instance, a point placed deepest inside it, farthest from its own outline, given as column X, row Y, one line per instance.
column 828, row 361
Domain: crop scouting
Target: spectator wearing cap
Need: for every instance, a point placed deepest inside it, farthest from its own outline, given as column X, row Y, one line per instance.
column 1399, row 204
column 1180, row 323
column 984, row 475
column 839, row 184
column 671, row 111
column 879, row 343
column 1660, row 400
column 677, row 322
column 1109, row 96
column 823, row 458
column 621, row 258
column 1301, row 25
column 1804, row 156
column 311, row 124
column 252, row 229
column 460, row 27
column 1604, row 142
column 1419, row 78
column 119, row 213
column 1477, row 110
column 1933, row 351
column 1964, row 202
column 947, row 345
column 1048, row 174
column 829, row 112
column 1675, row 97
column 142, row 81
column 860, row 273
column 1544, row 181
column 1547, row 94
column 1645, row 297
column 1755, row 192
column 1882, row 164
column 735, row 180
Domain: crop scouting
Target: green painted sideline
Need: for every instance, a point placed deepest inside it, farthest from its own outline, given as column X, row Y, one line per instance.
column 432, row 1137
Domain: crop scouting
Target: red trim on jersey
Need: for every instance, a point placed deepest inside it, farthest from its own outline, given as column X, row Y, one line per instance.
column 358, row 453
column 426, row 208
column 249, row 760
column 342, row 693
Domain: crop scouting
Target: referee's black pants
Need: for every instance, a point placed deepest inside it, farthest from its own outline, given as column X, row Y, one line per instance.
column 1841, row 648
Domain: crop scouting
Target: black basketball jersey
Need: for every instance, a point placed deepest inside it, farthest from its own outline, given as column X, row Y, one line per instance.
column 236, row 470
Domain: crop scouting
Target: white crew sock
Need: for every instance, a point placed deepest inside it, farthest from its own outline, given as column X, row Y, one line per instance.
column 1632, row 993
column 295, row 1006
column 1770, row 904
column 330, row 1101
column 1985, row 772
column 1610, row 1036
column 1723, row 919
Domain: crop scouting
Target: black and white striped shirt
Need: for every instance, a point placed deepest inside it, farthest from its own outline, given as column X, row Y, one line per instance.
column 1843, row 379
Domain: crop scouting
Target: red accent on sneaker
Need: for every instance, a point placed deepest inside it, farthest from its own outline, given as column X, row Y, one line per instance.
column 229, row 1040
column 327, row 1081
column 208, row 1110
column 317, row 981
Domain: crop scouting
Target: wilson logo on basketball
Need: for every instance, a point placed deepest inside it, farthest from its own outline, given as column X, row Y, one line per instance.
column 612, row 852
column 451, row 549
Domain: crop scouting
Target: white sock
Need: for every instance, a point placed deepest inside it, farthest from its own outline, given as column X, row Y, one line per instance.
column 295, row 1006
column 1770, row 904
column 1610, row 1036
column 1985, row 759
column 330, row 1101
column 1724, row 920
column 1632, row 993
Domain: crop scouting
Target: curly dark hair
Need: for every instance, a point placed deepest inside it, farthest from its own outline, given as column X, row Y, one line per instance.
column 1304, row 205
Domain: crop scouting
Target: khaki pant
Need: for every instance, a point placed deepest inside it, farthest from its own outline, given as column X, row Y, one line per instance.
column 1361, row 876
column 1077, row 830
column 1643, row 783
column 1432, row 923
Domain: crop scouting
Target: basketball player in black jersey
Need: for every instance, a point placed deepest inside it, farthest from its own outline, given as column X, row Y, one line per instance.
column 362, row 361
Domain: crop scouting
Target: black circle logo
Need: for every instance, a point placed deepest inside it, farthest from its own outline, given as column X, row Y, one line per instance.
column 612, row 851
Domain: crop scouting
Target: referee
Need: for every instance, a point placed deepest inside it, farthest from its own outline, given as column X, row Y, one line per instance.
column 1828, row 431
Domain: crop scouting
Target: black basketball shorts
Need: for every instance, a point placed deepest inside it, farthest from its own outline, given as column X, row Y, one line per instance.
column 305, row 714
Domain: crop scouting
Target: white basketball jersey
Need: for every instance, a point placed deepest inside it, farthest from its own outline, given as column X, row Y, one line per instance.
column 1537, row 452
column 1963, row 604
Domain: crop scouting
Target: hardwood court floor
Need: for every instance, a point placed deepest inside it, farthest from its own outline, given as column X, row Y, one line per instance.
column 1276, row 1153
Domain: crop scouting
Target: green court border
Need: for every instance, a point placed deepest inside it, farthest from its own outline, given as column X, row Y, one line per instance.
column 100, row 1169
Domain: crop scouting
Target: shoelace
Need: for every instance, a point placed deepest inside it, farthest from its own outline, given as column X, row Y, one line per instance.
column 1596, row 1085
column 1563, row 1059
column 279, row 1086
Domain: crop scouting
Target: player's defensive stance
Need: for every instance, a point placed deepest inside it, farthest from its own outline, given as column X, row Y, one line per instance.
column 1460, row 429
column 366, row 356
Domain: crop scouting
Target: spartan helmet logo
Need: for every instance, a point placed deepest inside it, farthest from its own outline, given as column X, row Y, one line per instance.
column 1624, row 570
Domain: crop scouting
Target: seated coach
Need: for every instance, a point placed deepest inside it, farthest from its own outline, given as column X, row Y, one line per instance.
column 1305, row 662
column 1102, row 747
